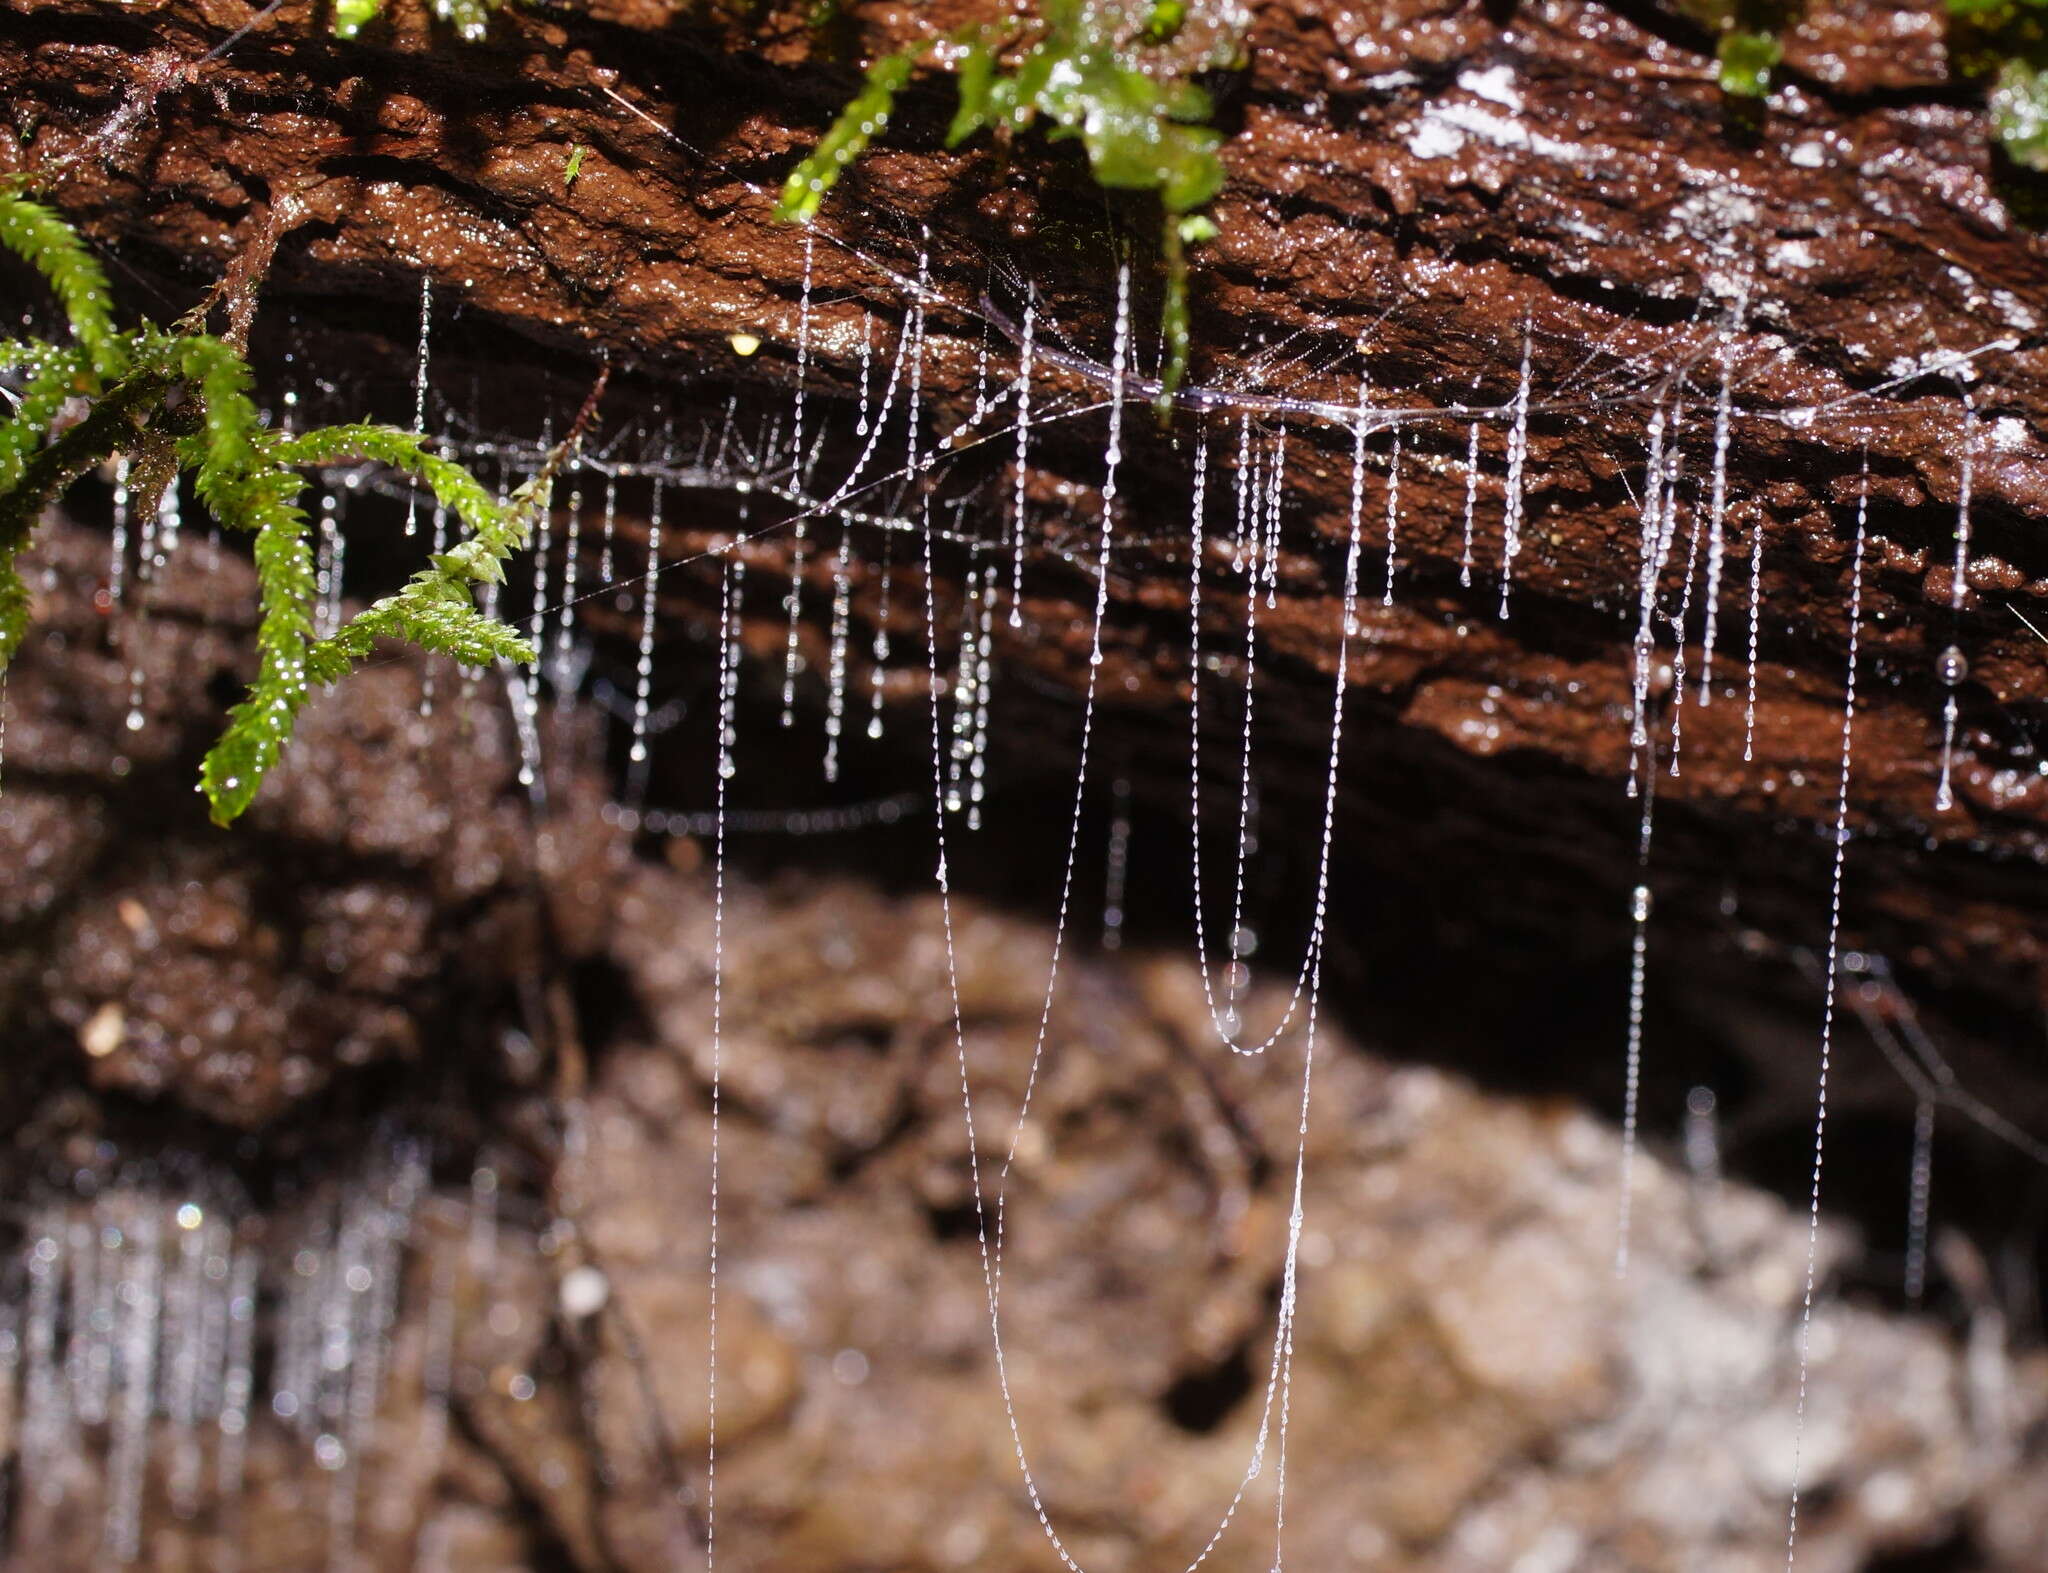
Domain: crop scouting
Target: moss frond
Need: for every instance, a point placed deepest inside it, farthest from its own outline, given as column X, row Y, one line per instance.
column 352, row 16
column 866, row 113
column 1143, row 128
column 453, row 486
column 13, row 610
column 182, row 402
column 261, row 724
column 436, row 611
column 230, row 417
column 55, row 376
column 55, row 250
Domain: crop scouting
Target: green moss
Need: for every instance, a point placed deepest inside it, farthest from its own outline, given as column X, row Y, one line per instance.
column 2007, row 42
column 1747, row 59
column 352, row 16
column 1749, row 40
column 866, row 113
column 470, row 18
column 1993, row 17
column 1071, row 73
column 180, row 401
column 1164, row 21
column 2019, row 112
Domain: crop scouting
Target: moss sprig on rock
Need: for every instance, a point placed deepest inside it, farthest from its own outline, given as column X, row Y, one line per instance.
column 180, row 402
column 2007, row 42
column 1749, row 40
column 1084, row 72
column 471, row 19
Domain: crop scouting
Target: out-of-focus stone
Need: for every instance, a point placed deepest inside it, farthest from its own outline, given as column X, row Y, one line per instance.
column 1472, row 1387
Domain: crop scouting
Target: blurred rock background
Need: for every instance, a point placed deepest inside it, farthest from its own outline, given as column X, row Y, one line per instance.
column 407, row 1292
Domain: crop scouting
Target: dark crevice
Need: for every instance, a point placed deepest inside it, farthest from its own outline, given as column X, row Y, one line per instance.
column 550, row 1551
column 954, row 1221
column 1202, row 1398
column 1956, row 1552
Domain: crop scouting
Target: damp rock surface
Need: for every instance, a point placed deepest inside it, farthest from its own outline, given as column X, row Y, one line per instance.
column 524, row 1270
column 380, row 885
column 1471, row 1385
